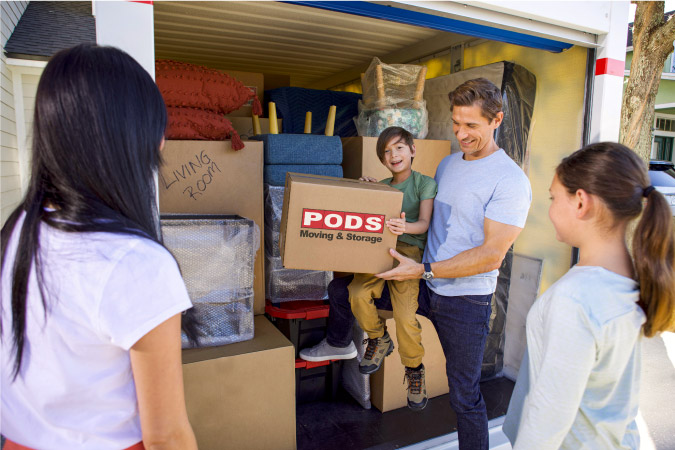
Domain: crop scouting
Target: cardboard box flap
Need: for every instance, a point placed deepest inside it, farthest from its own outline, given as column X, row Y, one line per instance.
column 338, row 182
column 267, row 337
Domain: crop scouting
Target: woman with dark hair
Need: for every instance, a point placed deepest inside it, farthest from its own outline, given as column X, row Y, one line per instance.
column 91, row 300
column 578, row 385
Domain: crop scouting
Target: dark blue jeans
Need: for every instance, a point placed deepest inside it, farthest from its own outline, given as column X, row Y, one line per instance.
column 462, row 326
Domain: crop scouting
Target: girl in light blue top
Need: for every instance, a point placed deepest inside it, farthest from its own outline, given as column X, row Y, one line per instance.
column 578, row 386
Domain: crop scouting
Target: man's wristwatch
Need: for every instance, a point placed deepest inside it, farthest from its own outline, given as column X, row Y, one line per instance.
column 428, row 274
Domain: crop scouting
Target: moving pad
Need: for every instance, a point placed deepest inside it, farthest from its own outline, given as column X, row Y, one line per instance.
column 301, row 149
column 275, row 175
column 292, row 103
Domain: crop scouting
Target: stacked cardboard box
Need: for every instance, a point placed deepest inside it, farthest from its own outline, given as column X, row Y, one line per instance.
column 242, row 396
column 209, row 177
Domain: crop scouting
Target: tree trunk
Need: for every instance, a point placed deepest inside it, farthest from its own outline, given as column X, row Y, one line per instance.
column 652, row 43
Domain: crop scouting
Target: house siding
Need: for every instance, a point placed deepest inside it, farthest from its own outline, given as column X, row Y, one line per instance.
column 10, row 179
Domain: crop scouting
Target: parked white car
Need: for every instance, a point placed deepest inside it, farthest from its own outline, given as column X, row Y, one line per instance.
column 662, row 177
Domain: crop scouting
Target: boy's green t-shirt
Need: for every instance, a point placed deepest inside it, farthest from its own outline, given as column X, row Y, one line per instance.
column 415, row 188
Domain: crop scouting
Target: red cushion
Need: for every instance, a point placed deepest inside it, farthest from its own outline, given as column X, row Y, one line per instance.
column 192, row 86
column 198, row 124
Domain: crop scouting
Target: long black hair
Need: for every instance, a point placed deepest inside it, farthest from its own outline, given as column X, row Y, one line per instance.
column 98, row 126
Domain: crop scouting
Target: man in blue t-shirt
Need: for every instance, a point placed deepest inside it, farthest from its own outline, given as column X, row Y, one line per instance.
column 479, row 211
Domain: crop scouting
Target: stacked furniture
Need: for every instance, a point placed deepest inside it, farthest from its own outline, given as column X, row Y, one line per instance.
column 299, row 153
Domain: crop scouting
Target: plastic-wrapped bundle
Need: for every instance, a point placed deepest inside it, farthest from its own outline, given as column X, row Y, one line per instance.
column 354, row 382
column 216, row 255
column 493, row 355
column 274, row 202
column 285, row 285
column 375, row 121
column 392, row 96
column 518, row 87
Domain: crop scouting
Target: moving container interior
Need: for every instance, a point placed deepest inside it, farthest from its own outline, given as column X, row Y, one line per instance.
column 322, row 47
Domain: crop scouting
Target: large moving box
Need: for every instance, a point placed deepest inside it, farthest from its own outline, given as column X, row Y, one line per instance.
column 242, row 396
column 386, row 390
column 330, row 223
column 244, row 126
column 253, row 81
column 209, row 177
column 359, row 157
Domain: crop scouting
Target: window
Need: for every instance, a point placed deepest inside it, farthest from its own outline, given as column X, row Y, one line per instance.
column 663, row 148
column 665, row 124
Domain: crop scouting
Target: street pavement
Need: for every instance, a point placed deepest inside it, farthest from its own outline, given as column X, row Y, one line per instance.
column 657, row 393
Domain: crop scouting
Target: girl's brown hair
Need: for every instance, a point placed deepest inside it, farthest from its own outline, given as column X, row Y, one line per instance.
column 619, row 177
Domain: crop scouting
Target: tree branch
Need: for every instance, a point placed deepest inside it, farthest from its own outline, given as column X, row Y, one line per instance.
column 665, row 35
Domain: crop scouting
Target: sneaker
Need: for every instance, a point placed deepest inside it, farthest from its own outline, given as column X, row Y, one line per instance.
column 376, row 351
column 323, row 351
column 417, row 389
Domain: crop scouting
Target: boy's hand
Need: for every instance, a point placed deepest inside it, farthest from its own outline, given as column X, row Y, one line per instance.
column 397, row 226
column 368, row 179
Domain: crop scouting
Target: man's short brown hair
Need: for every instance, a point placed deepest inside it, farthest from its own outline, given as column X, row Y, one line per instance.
column 478, row 91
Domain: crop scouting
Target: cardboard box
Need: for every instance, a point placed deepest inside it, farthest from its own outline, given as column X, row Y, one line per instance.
column 252, row 80
column 208, row 177
column 244, row 126
column 330, row 223
column 386, row 390
column 243, row 395
column 275, row 80
column 359, row 157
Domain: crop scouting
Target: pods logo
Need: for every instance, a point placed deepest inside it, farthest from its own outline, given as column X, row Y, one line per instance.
column 342, row 221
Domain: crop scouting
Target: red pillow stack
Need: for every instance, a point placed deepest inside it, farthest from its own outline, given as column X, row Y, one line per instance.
column 197, row 98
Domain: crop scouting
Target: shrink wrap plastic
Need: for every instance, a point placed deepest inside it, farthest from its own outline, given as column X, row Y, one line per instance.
column 392, row 96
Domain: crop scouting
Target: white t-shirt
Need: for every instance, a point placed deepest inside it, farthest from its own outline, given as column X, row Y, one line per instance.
column 492, row 187
column 578, row 386
column 104, row 292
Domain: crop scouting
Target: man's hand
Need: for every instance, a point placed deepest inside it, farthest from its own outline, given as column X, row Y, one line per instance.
column 407, row 268
column 397, row 226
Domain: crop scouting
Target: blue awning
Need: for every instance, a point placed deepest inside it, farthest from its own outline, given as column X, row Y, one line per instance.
column 385, row 12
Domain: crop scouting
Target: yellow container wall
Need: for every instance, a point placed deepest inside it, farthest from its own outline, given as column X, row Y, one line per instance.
column 555, row 133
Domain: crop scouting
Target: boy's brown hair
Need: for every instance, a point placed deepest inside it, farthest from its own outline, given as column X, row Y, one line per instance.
column 390, row 133
column 478, row 91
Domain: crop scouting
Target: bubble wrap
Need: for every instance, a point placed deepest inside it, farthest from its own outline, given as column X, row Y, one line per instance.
column 216, row 256
column 284, row 285
column 287, row 284
column 354, row 382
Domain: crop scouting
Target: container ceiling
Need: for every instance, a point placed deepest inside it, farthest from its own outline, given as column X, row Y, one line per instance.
column 317, row 48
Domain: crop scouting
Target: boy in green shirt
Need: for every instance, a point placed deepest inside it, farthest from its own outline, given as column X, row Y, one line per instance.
column 396, row 149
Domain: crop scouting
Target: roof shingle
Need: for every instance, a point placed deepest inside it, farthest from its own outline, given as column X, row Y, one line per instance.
column 47, row 27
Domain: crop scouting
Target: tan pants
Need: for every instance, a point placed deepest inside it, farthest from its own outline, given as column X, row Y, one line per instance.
column 366, row 287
